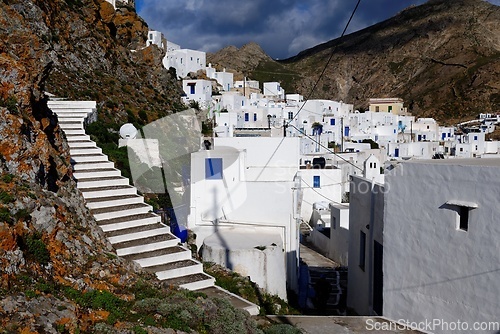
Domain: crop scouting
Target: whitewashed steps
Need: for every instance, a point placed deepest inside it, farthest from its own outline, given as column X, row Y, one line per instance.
column 120, row 211
column 127, row 222
column 102, row 182
column 192, row 282
column 160, row 256
column 176, row 269
column 93, row 173
column 93, row 165
column 104, row 202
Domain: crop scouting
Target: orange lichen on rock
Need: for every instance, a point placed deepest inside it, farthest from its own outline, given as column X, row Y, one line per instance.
column 8, row 240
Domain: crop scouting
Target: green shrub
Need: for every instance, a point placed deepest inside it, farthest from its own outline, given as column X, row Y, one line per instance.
column 5, row 215
column 38, row 249
column 7, row 178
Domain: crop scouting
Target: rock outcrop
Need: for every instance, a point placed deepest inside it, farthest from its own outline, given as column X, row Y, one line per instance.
column 58, row 272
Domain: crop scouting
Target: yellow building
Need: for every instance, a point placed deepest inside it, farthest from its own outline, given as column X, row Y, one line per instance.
column 391, row 105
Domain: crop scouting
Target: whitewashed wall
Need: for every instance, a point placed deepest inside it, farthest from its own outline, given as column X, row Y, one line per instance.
column 432, row 270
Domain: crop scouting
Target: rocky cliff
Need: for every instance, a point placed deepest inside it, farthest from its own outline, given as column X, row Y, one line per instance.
column 442, row 58
column 58, row 273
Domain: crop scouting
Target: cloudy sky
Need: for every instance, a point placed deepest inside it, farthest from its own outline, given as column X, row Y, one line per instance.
column 281, row 27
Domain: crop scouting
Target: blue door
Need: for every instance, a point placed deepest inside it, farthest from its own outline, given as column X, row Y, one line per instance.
column 396, row 152
column 346, row 131
column 419, row 138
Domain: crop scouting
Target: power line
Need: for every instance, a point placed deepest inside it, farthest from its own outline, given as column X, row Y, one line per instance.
column 327, row 148
column 326, row 65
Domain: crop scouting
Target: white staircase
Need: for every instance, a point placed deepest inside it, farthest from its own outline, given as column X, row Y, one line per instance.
column 129, row 224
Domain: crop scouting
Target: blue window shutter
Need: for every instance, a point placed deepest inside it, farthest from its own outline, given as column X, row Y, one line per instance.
column 254, row 117
column 332, row 121
column 316, row 181
column 213, row 169
column 246, row 117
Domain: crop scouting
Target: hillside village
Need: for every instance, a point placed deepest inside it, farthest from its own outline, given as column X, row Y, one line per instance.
column 400, row 210
column 274, row 163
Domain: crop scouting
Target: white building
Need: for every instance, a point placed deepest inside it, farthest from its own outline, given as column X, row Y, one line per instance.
column 273, row 90
column 437, row 220
column 184, row 61
column 365, row 273
column 156, row 38
column 197, row 90
column 249, row 183
column 171, row 47
column 224, row 79
column 117, row 3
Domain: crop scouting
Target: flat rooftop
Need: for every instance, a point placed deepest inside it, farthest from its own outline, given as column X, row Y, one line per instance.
column 484, row 162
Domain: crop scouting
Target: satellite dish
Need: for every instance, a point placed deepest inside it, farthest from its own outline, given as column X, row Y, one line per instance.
column 128, row 131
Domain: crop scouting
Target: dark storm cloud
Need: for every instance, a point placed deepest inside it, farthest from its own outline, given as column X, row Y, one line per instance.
column 281, row 27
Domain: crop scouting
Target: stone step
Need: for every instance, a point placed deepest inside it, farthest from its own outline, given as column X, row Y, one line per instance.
column 160, row 256
column 89, row 158
column 102, row 182
column 140, row 234
column 92, row 173
column 120, row 211
column 82, row 143
column 130, row 224
column 70, row 125
column 72, row 114
column 108, row 191
column 146, row 244
column 176, row 269
column 85, row 151
column 57, row 105
column 104, row 202
column 93, row 165
column 192, row 282
column 74, row 132
column 71, row 138
column 66, row 119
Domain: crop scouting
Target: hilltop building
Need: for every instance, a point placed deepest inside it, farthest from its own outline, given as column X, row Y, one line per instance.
column 117, row 3
column 156, row 38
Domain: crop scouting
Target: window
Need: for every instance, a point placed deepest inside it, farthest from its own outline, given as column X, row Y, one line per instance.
column 461, row 149
column 362, row 249
column 377, row 109
column 463, row 218
column 150, row 36
column 246, row 117
column 290, row 115
column 316, row 181
column 254, row 117
column 332, row 121
column 475, row 137
column 390, row 108
column 213, row 168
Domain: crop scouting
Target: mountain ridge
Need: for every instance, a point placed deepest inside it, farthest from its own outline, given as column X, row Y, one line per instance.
column 441, row 57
